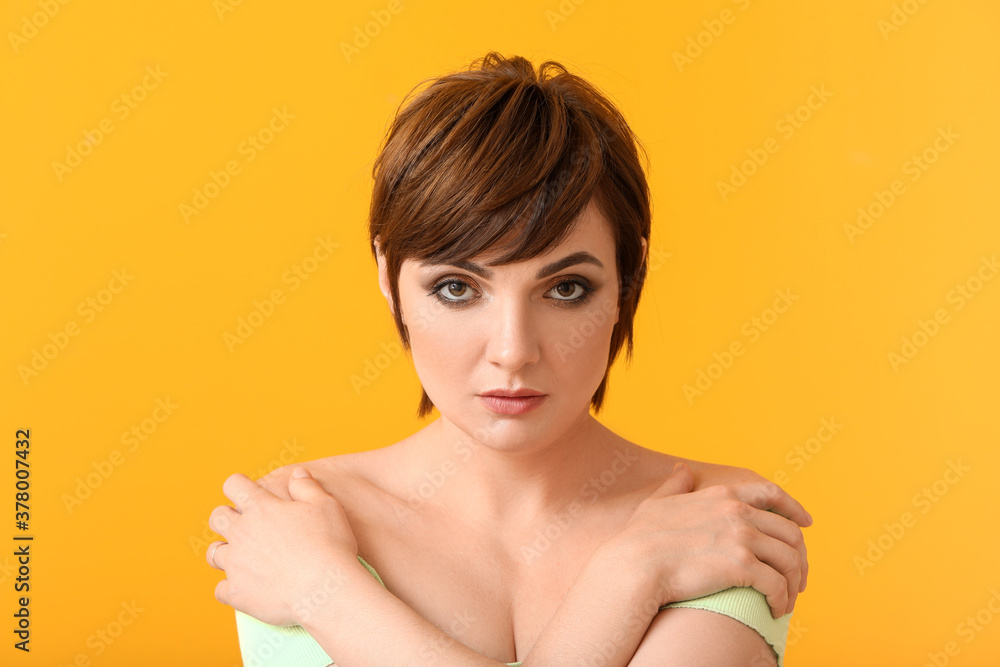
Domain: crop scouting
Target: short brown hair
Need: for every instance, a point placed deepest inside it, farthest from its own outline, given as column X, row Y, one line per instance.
column 499, row 158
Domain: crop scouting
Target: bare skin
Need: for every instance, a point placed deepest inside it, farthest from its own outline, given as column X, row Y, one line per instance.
column 480, row 522
column 487, row 585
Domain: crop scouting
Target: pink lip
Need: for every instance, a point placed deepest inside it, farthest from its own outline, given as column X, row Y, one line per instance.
column 519, row 392
column 506, row 405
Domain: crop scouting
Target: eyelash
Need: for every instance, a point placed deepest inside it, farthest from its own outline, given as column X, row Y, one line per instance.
column 564, row 303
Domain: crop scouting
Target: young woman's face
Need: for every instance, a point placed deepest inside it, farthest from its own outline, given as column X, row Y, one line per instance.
column 544, row 325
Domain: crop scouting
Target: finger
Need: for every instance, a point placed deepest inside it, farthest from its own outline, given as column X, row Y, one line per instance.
column 784, row 560
column 680, row 480
column 244, row 492
column 303, row 486
column 221, row 519
column 213, row 554
column 276, row 482
column 805, row 569
column 772, row 585
column 769, row 496
column 788, row 532
column 222, row 592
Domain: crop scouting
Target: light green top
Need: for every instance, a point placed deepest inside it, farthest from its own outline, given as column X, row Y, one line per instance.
column 265, row 645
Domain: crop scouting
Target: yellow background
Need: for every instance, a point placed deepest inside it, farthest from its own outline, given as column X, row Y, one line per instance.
column 893, row 75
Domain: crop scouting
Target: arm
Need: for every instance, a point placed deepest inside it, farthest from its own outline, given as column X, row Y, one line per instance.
column 586, row 623
column 589, row 622
column 680, row 637
column 344, row 631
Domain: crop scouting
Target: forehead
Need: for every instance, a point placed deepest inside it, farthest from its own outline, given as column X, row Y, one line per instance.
column 591, row 229
column 589, row 240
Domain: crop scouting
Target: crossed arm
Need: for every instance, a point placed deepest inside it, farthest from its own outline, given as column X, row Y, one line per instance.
column 623, row 628
column 590, row 627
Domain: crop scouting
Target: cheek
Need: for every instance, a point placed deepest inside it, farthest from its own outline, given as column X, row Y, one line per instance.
column 438, row 353
column 582, row 343
column 575, row 345
column 439, row 349
column 426, row 318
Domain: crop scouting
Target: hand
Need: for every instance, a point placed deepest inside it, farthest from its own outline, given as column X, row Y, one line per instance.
column 704, row 541
column 279, row 553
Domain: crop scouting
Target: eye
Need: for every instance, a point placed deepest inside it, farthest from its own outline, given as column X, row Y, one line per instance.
column 458, row 293
column 451, row 291
column 571, row 289
column 577, row 291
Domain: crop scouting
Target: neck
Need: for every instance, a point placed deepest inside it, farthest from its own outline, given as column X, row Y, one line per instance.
column 504, row 485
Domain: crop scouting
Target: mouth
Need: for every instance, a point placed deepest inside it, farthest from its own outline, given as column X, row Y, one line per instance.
column 523, row 392
column 511, row 405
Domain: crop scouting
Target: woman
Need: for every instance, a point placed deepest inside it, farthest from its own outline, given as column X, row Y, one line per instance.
column 510, row 220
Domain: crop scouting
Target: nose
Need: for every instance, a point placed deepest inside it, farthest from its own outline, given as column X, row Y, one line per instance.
column 513, row 336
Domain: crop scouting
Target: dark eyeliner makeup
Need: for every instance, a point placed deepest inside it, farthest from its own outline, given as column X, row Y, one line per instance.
column 584, row 298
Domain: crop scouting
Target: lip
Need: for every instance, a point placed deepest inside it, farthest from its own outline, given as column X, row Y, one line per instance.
column 512, row 405
column 517, row 393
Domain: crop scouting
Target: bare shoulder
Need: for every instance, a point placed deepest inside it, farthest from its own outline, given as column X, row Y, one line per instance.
column 705, row 473
column 337, row 474
column 712, row 474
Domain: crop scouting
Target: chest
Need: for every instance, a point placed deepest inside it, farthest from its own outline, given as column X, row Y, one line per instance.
column 494, row 600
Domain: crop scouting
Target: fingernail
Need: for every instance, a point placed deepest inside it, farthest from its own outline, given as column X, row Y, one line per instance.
column 300, row 472
column 677, row 466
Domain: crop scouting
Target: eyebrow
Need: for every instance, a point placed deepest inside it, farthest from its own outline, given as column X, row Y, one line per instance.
column 582, row 257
